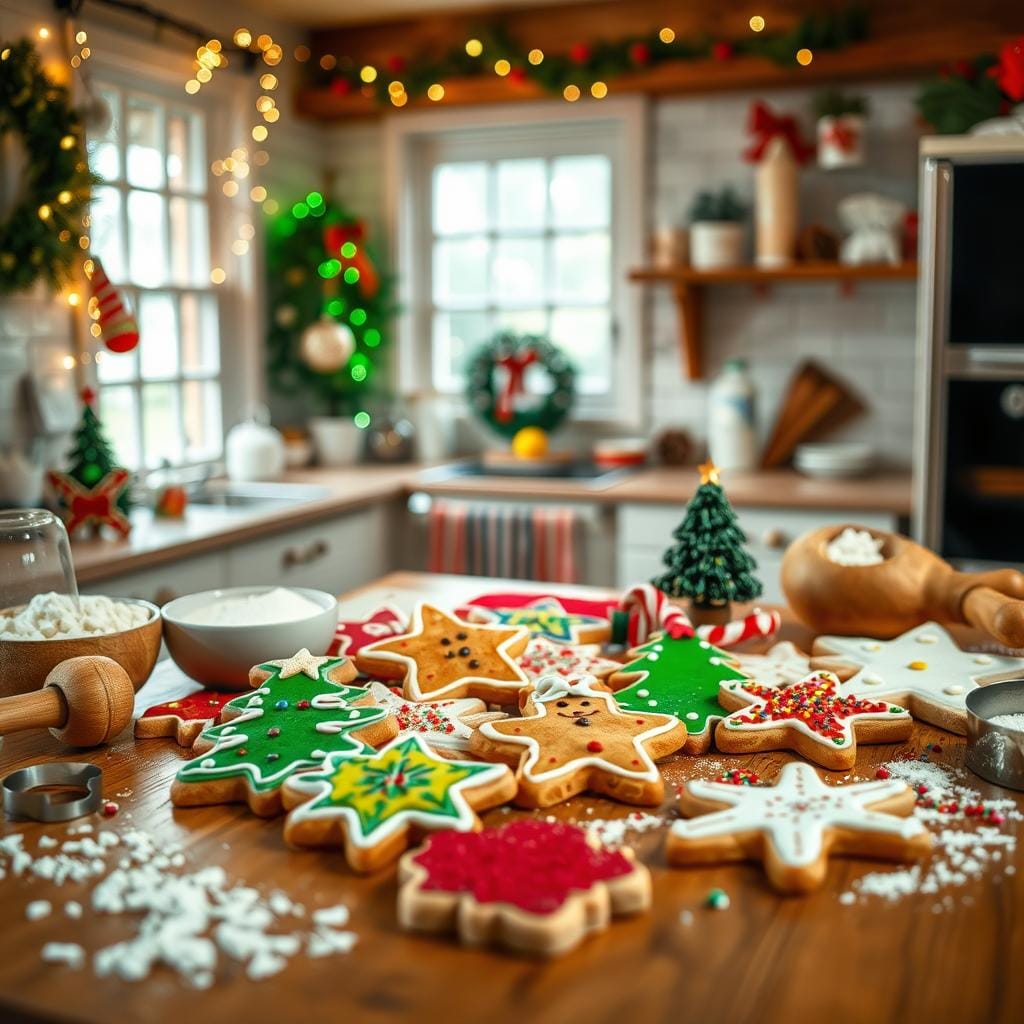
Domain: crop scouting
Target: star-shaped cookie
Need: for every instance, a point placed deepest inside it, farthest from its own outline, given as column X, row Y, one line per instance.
column 375, row 805
column 446, row 725
column 574, row 737
column 547, row 617
column 333, row 669
column 784, row 664
column 810, row 717
column 184, row 718
column 442, row 656
column 923, row 669
column 545, row 657
column 352, row 635
column 794, row 825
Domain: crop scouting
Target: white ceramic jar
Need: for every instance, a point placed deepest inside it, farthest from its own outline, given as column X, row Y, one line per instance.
column 732, row 432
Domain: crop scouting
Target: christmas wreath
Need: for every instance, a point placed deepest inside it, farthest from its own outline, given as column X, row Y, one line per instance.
column 497, row 386
column 43, row 235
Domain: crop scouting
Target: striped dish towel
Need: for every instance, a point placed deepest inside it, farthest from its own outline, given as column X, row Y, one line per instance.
column 509, row 541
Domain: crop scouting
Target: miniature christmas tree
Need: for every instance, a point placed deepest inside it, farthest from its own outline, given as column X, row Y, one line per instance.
column 92, row 458
column 709, row 564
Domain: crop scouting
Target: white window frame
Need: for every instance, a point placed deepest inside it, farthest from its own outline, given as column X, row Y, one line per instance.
column 416, row 141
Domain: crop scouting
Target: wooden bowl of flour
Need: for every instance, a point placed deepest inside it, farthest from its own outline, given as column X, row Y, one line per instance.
column 25, row 664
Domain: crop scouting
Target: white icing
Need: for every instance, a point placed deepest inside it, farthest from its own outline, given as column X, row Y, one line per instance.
column 784, row 663
column 450, row 711
column 553, row 687
column 872, row 679
column 643, row 693
column 692, row 716
column 953, row 691
column 927, row 638
column 652, row 656
column 982, row 659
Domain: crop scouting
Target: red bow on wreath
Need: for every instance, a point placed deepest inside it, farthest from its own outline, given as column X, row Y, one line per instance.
column 335, row 236
column 515, row 367
column 765, row 126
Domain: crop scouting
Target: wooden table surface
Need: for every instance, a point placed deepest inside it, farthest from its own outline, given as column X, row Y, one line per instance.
column 767, row 958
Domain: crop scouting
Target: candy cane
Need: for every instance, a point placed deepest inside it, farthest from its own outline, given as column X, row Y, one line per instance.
column 757, row 624
column 649, row 610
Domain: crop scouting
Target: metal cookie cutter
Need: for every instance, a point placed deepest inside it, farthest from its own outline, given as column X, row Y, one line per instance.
column 22, row 799
column 996, row 752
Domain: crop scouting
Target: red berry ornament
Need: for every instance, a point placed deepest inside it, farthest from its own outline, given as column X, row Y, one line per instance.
column 396, row 63
column 722, row 50
column 341, row 86
column 579, row 53
column 640, row 53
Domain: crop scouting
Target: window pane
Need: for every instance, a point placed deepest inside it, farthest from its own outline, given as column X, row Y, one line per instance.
column 145, row 141
column 105, row 231
column 116, row 367
column 148, row 238
column 518, row 273
column 460, row 272
column 522, row 321
column 186, row 158
column 203, row 430
column 117, row 410
column 521, row 194
column 582, row 268
column 581, row 191
column 190, row 242
column 585, row 336
column 200, row 335
column 158, row 331
column 460, row 198
column 161, row 424
column 104, row 157
column 456, row 336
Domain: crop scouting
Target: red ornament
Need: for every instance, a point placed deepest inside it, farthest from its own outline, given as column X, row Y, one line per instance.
column 1009, row 72
column 517, row 74
column 108, row 308
column 88, row 395
column 640, row 53
column 96, row 506
column 723, row 50
column 396, row 64
column 579, row 53
column 341, row 86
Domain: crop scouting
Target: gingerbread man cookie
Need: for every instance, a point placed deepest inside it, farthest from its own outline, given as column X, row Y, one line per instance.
column 442, row 656
column 810, row 717
column 678, row 677
column 544, row 657
column 283, row 726
column 184, row 718
column 573, row 737
column 535, row 887
column 794, row 825
column 923, row 669
column 374, row 805
column 352, row 635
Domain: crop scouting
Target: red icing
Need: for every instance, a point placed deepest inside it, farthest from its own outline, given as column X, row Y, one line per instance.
column 572, row 605
column 351, row 636
column 595, row 746
column 534, row 865
column 196, row 707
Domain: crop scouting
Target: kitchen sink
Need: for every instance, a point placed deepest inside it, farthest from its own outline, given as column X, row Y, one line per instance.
column 589, row 474
column 225, row 494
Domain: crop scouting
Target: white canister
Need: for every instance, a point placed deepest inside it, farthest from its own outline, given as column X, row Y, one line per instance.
column 732, row 433
column 254, row 451
column 336, row 439
column 716, row 244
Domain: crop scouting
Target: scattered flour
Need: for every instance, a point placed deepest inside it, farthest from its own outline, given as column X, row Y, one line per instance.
column 70, row 954
column 613, row 831
column 38, row 909
column 854, row 547
column 53, row 616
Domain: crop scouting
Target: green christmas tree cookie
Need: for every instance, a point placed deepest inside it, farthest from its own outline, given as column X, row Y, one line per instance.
column 677, row 677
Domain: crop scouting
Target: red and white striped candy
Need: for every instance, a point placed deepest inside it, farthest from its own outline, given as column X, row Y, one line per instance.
column 120, row 330
column 649, row 611
column 757, row 624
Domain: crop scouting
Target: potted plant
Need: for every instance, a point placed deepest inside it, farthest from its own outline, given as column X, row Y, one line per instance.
column 841, row 119
column 716, row 229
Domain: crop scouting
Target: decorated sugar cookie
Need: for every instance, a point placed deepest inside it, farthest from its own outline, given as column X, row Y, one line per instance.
column 810, row 717
column 352, row 635
column 923, row 669
column 794, row 825
column 784, row 664
column 547, row 617
column 184, row 718
column 572, row 737
column 532, row 886
column 375, row 804
column 544, row 657
column 444, row 657
column 446, row 725
column 283, row 726
column 333, row 669
column 678, row 677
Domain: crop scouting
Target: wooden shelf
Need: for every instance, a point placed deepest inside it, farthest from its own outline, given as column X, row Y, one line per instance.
column 688, row 285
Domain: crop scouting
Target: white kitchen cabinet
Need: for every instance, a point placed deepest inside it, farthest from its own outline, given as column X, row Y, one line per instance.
column 165, row 582
column 645, row 532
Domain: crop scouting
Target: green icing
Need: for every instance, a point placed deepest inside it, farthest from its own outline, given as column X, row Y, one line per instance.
column 248, row 746
column 677, row 677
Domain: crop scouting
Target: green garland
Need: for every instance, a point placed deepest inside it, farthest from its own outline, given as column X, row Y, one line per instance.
column 962, row 95
column 482, row 392
column 604, row 60
column 41, row 239
column 305, row 282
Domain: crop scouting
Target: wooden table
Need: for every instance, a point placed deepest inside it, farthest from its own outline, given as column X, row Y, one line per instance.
column 764, row 959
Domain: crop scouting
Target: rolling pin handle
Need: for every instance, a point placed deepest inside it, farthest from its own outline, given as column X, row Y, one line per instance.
column 996, row 614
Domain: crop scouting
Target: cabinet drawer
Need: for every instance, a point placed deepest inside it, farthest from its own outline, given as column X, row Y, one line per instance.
column 163, row 583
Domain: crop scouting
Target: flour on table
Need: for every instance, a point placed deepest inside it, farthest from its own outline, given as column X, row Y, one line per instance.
column 53, row 616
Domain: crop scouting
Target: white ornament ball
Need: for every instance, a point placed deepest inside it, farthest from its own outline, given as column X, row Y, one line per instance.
column 327, row 346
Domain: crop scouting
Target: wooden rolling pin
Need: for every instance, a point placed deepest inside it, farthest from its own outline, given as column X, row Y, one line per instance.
column 84, row 702
column 910, row 586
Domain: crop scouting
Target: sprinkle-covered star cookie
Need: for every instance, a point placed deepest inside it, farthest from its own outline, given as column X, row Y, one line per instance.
column 184, row 718
column 549, row 618
column 794, row 825
column 572, row 737
column 532, row 886
column 446, row 725
column 544, row 657
column 784, row 664
column 810, row 717
column 678, row 677
column 283, row 726
column 375, row 805
column 923, row 669
column 443, row 657
column 352, row 635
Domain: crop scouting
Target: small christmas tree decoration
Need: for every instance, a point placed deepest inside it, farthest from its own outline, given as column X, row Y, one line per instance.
column 108, row 307
column 709, row 564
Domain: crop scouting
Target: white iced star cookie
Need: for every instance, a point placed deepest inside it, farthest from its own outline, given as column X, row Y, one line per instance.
column 923, row 670
column 544, row 657
column 794, row 825
column 336, row 669
column 783, row 665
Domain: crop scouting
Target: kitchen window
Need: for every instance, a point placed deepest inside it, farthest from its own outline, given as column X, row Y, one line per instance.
column 529, row 227
column 151, row 227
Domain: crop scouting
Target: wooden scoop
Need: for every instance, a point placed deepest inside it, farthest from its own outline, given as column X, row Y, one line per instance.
column 912, row 585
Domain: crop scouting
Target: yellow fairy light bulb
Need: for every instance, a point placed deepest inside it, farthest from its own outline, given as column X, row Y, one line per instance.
column 271, row 115
column 535, row 56
column 757, row 23
column 81, row 37
column 43, row 32
column 192, row 87
column 214, row 44
column 368, row 73
column 204, row 75
column 83, row 242
column 65, row 235
column 67, row 142
column 260, row 157
column 474, row 47
column 45, row 212
column 95, row 330
column 436, row 92
column 257, row 193
column 68, row 362
column 271, row 206
column 239, row 153
column 804, row 56
column 76, row 62
column 229, row 163
column 264, row 42
column 328, row 62
column 259, row 132
column 74, row 298
column 395, row 88
column 230, row 188
column 86, row 53
column 239, row 246
column 241, row 169
column 599, row 90
column 302, row 54
column 400, row 99
column 217, row 275
column 502, row 67
column 64, row 197
column 242, row 37
column 88, row 266
column 272, row 55
column 246, row 231
column 571, row 93
column 268, row 81
column 667, row 35
column 264, row 103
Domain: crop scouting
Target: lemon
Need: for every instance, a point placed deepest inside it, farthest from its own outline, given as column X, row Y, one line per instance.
column 530, row 443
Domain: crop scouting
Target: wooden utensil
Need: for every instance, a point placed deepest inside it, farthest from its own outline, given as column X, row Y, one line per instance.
column 84, row 702
column 910, row 586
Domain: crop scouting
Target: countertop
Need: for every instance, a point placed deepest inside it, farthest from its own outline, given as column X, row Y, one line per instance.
column 207, row 528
